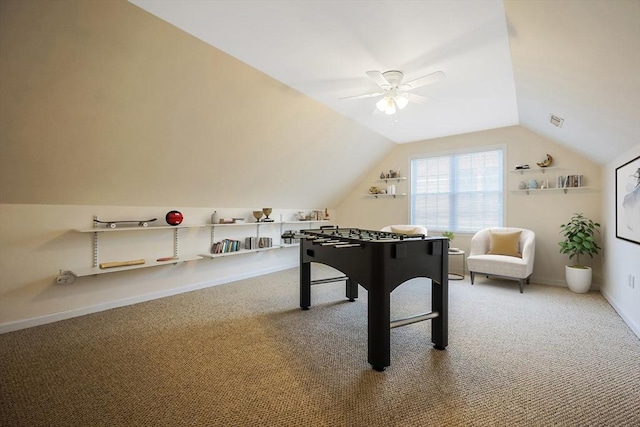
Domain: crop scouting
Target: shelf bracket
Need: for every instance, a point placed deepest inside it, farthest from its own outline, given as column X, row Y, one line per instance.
column 175, row 243
column 95, row 242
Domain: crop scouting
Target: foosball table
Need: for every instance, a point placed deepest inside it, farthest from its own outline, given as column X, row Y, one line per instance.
column 379, row 262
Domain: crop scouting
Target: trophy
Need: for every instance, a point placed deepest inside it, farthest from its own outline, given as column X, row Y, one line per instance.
column 257, row 215
column 267, row 212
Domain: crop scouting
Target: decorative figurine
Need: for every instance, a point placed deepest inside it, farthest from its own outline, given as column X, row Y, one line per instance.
column 267, row 212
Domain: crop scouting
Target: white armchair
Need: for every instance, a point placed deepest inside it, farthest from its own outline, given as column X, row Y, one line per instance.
column 506, row 252
column 405, row 229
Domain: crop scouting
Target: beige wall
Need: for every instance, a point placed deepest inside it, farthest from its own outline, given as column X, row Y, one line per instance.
column 104, row 104
column 107, row 110
column 540, row 212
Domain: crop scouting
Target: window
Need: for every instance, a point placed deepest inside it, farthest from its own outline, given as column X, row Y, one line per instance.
column 460, row 192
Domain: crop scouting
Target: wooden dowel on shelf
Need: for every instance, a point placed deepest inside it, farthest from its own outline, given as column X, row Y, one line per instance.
column 113, row 264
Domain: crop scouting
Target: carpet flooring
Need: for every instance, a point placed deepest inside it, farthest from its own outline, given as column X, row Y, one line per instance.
column 244, row 354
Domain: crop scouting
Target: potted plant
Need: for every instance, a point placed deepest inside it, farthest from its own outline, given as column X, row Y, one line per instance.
column 579, row 240
column 449, row 235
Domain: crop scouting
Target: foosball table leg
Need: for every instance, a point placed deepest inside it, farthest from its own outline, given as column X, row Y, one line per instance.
column 305, row 285
column 351, row 290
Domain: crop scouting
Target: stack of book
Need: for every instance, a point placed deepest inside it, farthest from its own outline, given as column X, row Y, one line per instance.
column 564, row 181
column 225, row 246
column 256, row 243
column 290, row 237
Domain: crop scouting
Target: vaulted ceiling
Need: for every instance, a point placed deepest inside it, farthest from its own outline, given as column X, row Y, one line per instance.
column 506, row 63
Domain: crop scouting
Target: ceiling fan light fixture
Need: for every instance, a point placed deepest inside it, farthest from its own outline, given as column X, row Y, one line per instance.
column 391, row 107
column 402, row 100
column 381, row 105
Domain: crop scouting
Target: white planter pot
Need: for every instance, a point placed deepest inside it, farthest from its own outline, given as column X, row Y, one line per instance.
column 578, row 279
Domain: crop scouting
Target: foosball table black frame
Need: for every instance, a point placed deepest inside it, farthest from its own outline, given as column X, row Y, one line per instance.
column 380, row 262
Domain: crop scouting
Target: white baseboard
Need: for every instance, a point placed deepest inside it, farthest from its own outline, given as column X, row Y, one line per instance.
column 547, row 281
column 629, row 322
column 56, row 317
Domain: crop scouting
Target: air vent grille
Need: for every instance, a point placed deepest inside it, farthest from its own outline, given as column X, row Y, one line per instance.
column 556, row 121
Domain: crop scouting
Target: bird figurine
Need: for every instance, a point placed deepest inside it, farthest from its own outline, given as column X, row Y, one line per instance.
column 546, row 162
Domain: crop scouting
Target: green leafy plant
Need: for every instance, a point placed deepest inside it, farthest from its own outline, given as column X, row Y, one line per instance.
column 579, row 238
column 449, row 235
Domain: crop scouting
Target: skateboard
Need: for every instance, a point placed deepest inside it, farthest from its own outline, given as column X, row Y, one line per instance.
column 114, row 224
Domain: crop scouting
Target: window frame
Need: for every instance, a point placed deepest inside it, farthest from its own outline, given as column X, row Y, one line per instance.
column 460, row 151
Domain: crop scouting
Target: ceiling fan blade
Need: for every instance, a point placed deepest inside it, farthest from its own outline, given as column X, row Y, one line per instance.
column 424, row 80
column 379, row 79
column 417, row 99
column 366, row 95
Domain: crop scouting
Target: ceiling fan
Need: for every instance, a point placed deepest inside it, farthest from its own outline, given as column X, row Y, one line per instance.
column 395, row 94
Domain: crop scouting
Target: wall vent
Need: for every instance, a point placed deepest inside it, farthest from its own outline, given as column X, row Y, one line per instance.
column 556, row 121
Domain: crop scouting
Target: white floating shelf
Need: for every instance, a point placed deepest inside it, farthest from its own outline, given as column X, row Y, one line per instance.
column 92, row 271
column 383, row 196
column 240, row 252
column 157, row 227
column 534, row 170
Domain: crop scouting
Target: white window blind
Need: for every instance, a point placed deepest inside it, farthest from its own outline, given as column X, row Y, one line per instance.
column 458, row 192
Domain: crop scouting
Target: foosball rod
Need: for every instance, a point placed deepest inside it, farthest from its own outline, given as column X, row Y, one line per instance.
column 414, row 319
column 329, row 280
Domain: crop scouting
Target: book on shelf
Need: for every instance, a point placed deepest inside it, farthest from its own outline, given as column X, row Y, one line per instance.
column 569, row 181
column 258, row 243
column 225, row 246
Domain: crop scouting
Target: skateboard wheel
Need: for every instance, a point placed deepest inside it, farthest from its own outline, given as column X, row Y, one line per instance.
column 144, row 224
column 111, row 225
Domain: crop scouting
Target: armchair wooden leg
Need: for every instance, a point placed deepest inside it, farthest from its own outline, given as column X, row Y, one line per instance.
column 472, row 274
column 521, row 284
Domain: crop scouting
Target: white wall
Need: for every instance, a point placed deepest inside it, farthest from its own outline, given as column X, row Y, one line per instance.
column 621, row 257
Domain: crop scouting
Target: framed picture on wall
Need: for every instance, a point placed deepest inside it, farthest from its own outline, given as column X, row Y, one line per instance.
column 628, row 201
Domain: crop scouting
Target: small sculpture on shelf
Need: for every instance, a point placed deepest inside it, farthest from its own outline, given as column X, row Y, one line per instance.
column 267, row 212
column 546, row 162
column 257, row 215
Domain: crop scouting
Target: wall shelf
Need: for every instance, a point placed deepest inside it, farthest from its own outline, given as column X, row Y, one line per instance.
column 258, row 226
column 241, row 252
column 382, row 196
column 397, row 179
column 565, row 190
column 539, row 170
column 91, row 271
column 68, row 276
column 390, row 191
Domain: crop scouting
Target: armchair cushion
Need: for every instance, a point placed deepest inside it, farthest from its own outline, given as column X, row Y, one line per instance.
column 405, row 229
column 505, row 243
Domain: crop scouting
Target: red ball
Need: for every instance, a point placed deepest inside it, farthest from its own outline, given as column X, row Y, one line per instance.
column 173, row 218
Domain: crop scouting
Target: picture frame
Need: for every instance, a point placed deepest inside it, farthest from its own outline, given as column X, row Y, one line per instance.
column 628, row 201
